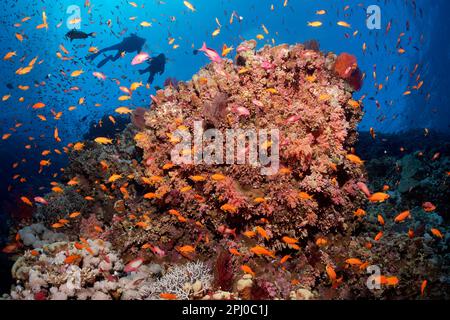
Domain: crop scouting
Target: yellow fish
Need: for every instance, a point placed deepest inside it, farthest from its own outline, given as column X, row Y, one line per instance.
column 124, row 110
column 145, row 24
column 103, row 140
column 343, row 24
column 315, row 24
column 76, row 73
column 189, row 5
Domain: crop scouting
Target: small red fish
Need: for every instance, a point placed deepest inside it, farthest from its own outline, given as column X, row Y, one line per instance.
column 363, row 187
column 41, row 201
column 225, row 230
column 428, row 207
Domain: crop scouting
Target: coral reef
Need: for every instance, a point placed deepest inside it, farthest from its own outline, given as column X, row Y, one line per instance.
column 287, row 88
column 130, row 222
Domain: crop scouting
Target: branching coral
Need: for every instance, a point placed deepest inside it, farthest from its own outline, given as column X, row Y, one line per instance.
column 193, row 278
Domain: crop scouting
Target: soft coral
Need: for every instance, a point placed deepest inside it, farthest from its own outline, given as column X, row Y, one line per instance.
column 346, row 66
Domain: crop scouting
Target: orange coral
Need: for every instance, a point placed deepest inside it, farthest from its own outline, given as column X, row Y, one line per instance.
column 345, row 65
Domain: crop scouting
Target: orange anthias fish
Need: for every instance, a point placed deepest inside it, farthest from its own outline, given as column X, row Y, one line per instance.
column 218, row 177
column 437, row 233
column 354, row 262
column 305, row 196
column 185, row 249
column 26, row 201
column 262, row 233
column 422, row 287
column 402, row 216
column 355, row 159
column 379, row 197
column 378, row 236
column 168, row 296
column 234, row 252
column 333, row 277
column 248, row 270
column 321, row 242
column 249, row 234
column 360, row 213
column 73, row 215
column 228, row 208
column 258, row 250
column 11, row 248
column 72, row 259
column 392, row 281
column 285, row 258
column 289, row 240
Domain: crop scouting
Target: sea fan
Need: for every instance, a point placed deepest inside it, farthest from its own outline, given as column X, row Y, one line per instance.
column 138, row 118
column 223, row 273
column 262, row 290
column 216, row 110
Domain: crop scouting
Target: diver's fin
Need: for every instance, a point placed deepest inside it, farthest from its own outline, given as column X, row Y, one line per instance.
column 104, row 61
column 92, row 57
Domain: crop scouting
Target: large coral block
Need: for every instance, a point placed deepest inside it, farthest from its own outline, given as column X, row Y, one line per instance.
column 287, row 88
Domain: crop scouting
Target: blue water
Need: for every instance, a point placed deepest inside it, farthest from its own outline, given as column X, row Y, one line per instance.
column 424, row 24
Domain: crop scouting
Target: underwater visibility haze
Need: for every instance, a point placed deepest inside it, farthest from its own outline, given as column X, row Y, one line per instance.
column 224, row 150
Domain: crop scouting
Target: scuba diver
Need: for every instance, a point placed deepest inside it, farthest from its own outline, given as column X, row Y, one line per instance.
column 157, row 65
column 130, row 44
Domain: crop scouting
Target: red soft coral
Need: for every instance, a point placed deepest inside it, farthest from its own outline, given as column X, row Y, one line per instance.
column 346, row 66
